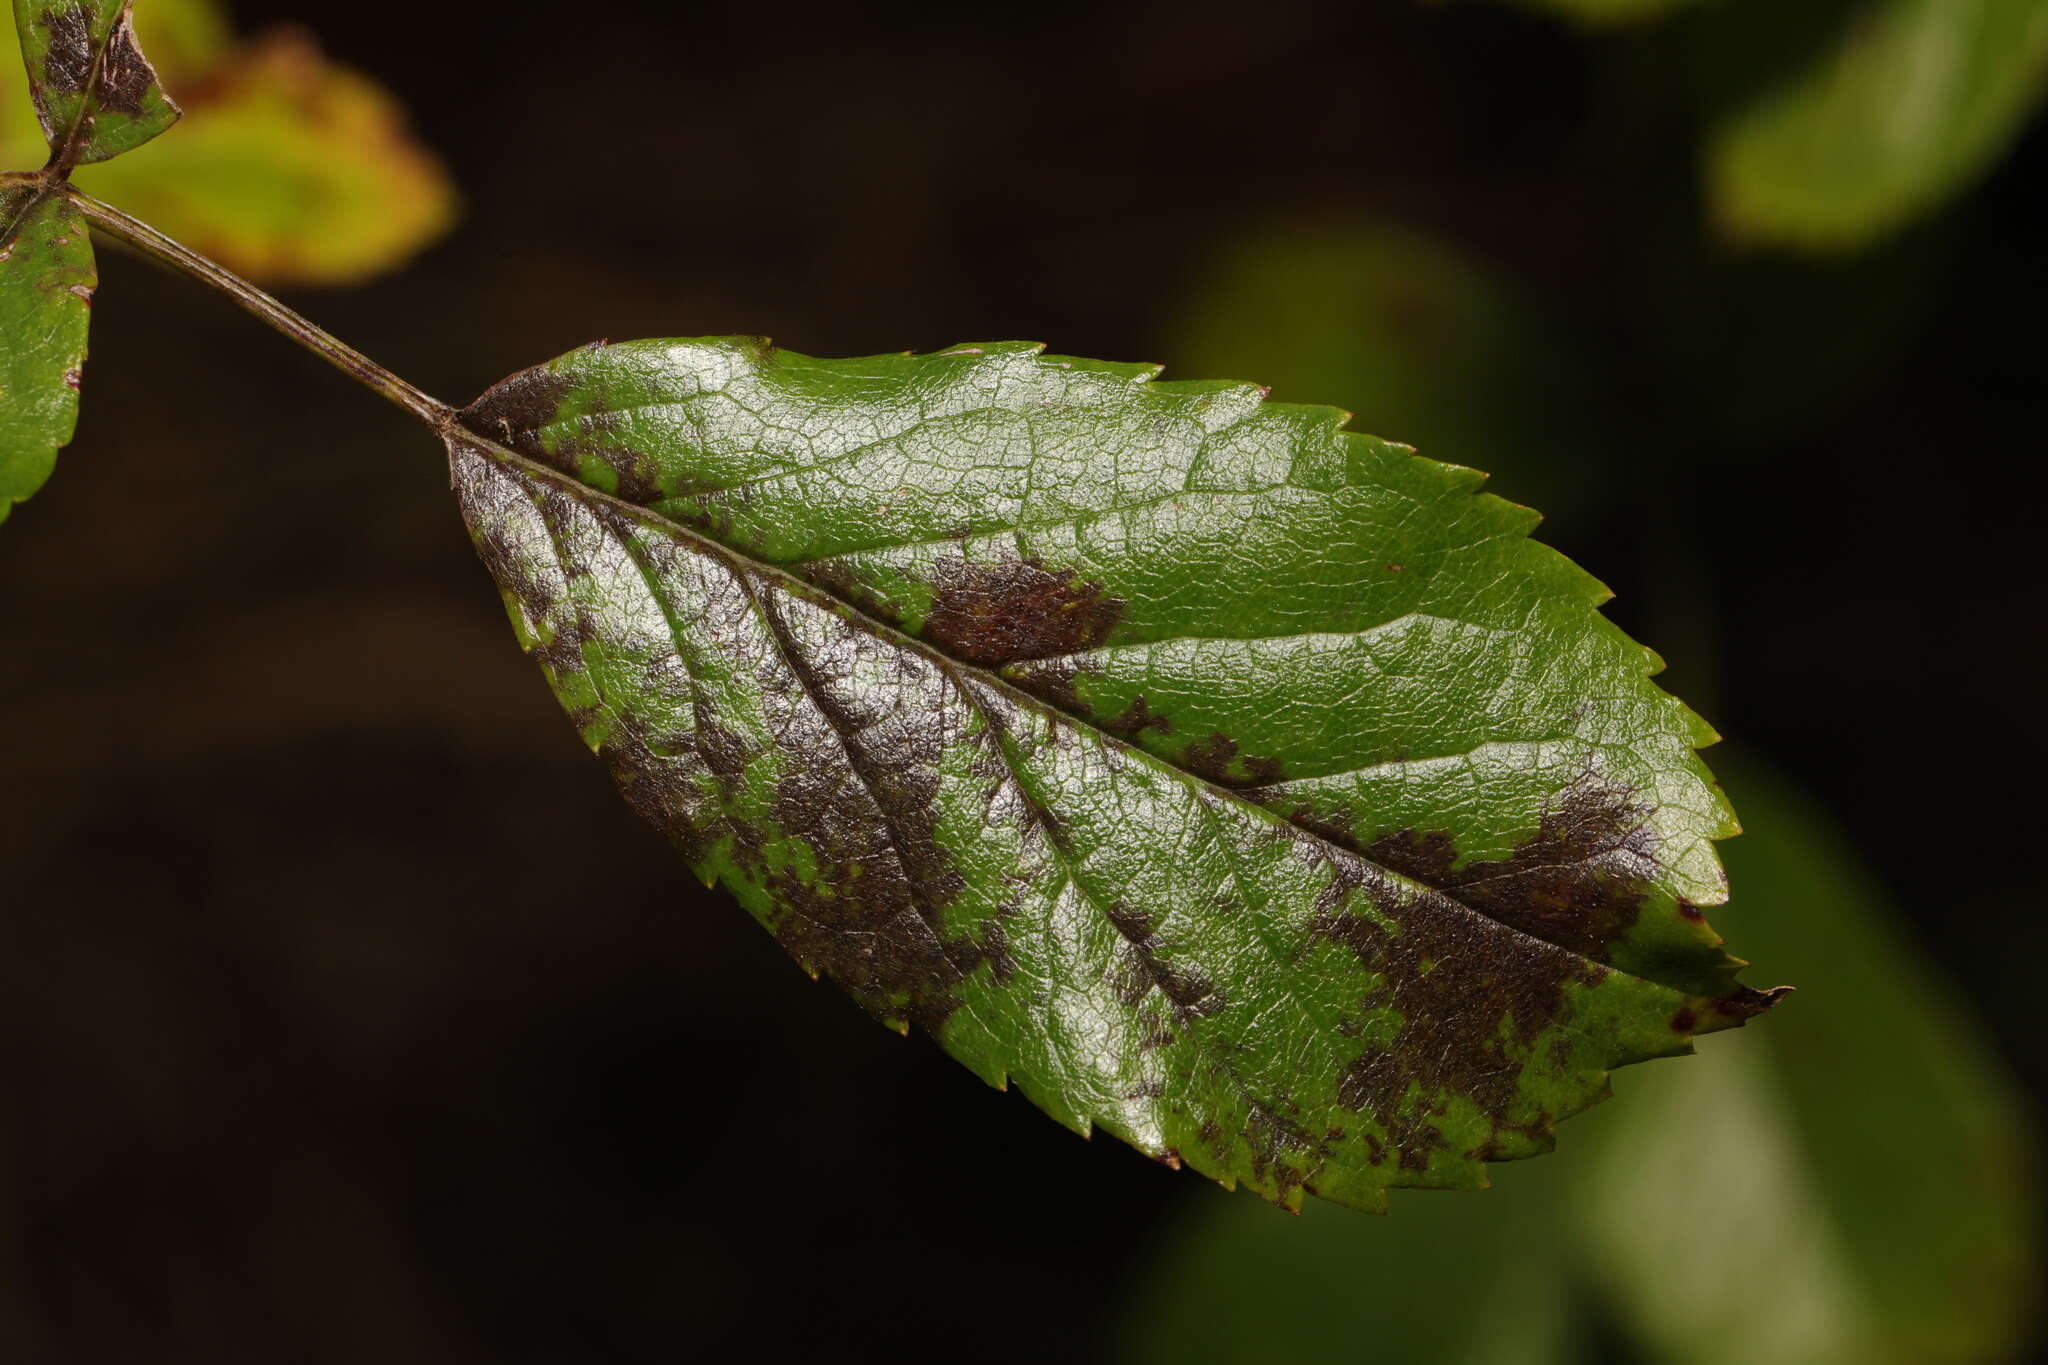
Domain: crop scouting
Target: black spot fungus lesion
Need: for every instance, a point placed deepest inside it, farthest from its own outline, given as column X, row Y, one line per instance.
column 1580, row 881
column 67, row 62
column 1006, row 611
column 1217, row 758
column 513, row 411
column 123, row 79
column 1461, row 994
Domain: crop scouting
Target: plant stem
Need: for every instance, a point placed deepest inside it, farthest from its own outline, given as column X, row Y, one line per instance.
column 351, row 362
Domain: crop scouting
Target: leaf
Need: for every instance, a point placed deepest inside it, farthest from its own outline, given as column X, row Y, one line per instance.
column 1255, row 791
column 46, row 285
column 1853, row 1193
column 1908, row 105
column 96, row 95
column 1829, row 1191
column 289, row 168
column 1603, row 13
column 1449, row 1282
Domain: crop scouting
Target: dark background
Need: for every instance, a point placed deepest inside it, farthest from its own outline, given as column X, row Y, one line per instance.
column 347, row 1013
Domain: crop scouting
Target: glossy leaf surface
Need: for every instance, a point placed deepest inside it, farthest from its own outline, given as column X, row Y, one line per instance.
column 1908, row 104
column 95, row 94
column 1252, row 789
column 47, row 280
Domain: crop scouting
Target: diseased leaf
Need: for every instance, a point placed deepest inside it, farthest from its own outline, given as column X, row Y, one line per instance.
column 1252, row 789
column 95, row 94
column 1909, row 104
column 46, row 285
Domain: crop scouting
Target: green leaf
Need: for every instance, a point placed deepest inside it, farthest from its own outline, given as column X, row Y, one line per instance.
column 1855, row 1193
column 46, row 285
column 96, row 95
column 1908, row 105
column 1250, row 789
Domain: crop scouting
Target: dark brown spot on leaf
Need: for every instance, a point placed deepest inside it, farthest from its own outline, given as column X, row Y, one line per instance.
column 1217, row 759
column 512, row 411
column 67, row 64
column 1003, row 612
column 125, row 76
column 1457, row 1000
column 1190, row 991
column 1578, row 882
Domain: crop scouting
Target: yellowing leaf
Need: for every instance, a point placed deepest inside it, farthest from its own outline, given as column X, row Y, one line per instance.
column 290, row 169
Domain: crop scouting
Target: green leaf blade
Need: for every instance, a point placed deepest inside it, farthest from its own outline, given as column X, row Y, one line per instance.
column 1135, row 948
column 47, row 279
column 1358, row 639
column 96, row 95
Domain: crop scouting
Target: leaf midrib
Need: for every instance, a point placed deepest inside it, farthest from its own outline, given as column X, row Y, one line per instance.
column 742, row 563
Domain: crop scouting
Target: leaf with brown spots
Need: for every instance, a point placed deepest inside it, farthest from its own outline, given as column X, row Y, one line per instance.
column 96, row 95
column 1076, row 719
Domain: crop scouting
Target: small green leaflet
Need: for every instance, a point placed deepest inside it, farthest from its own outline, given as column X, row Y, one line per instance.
column 95, row 93
column 1254, row 790
column 46, row 285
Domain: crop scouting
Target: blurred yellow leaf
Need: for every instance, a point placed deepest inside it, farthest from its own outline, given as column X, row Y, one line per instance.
column 184, row 38
column 287, row 167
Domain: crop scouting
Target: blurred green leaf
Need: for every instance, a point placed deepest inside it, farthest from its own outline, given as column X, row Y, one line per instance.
column 1448, row 1280
column 1853, row 1184
column 1906, row 105
column 1858, row 1186
column 1606, row 12
column 1420, row 341
column 288, row 168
